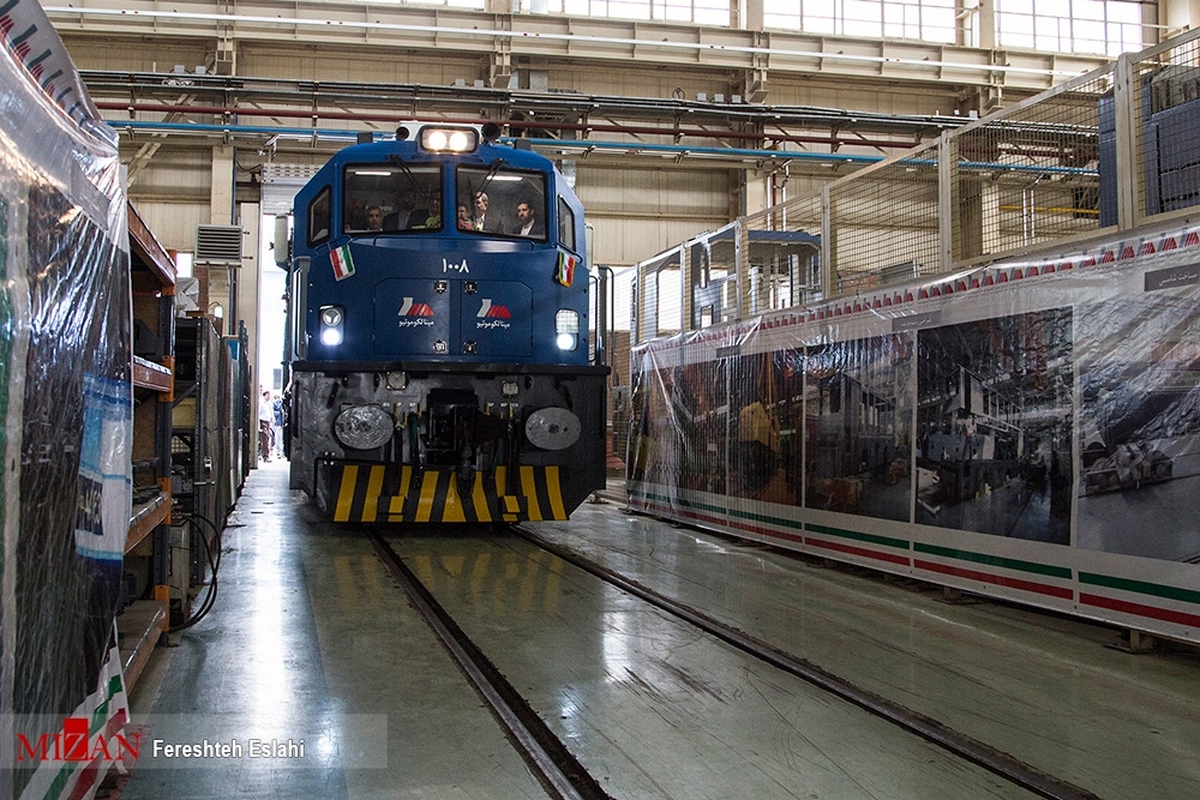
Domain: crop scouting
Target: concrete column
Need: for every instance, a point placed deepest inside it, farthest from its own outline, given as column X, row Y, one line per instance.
column 1178, row 15
column 220, row 212
column 989, row 209
column 249, row 299
column 987, row 25
column 747, row 14
column 221, row 186
column 755, row 188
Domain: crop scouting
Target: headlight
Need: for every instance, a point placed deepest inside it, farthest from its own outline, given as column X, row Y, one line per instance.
column 452, row 140
column 363, row 427
column 332, row 319
column 566, row 325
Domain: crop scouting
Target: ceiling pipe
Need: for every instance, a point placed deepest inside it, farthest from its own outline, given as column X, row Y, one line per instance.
column 545, row 102
column 250, row 111
column 584, row 145
column 549, row 104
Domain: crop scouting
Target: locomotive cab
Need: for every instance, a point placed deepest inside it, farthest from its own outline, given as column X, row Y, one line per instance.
column 440, row 306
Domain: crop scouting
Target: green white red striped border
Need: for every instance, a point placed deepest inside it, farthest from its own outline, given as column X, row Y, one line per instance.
column 1118, row 599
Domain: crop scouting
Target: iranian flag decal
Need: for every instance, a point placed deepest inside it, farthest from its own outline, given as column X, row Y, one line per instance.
column 343, row 264
column 565, row 274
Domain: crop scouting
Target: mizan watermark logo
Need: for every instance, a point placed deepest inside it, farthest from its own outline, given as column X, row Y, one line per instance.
column 74, row 743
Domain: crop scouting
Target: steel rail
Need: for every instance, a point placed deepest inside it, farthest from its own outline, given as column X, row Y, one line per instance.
column 559, row 772
column 996, row 761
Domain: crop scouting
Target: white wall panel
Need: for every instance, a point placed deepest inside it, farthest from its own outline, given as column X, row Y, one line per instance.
column 173, row 224
column 638, row 211
column 173, row 172
column 626, row 241
column 370, row 65
column 103, row 53
column 637, row 189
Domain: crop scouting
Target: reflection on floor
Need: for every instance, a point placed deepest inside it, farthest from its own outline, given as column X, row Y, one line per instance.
column 310, row 639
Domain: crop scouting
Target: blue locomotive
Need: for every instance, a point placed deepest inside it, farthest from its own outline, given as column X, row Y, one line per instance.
column 441, row 368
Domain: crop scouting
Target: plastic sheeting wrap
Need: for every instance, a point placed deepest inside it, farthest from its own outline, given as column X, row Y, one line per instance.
column 1027, row 430
column 65, row 396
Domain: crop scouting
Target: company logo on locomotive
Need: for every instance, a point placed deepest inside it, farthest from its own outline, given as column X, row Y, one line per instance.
column 415, row 315
column 488, row 309
column 495, row 314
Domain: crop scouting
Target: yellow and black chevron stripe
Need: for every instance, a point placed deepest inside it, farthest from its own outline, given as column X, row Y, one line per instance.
column 436, row 495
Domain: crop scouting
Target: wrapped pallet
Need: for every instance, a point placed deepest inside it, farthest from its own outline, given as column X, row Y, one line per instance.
column 65, row 398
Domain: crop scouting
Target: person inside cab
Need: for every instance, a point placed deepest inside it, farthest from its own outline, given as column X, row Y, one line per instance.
column 483, row 220
column 528, row 223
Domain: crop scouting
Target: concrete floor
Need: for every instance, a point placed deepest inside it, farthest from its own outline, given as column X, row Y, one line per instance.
column 310, row 640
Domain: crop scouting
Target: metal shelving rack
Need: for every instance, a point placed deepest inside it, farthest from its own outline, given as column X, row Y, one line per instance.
column 143, row 622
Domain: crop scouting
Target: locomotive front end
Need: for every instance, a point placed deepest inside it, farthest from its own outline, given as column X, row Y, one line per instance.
column 443, row 370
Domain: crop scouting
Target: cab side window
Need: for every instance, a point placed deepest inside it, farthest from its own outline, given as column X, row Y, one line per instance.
column 319, row 217
column 566, row 226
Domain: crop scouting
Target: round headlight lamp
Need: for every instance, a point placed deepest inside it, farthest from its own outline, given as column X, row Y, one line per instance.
column 566, row 328
column 332, row 330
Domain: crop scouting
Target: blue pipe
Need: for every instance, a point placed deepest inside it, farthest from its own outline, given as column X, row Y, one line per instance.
column 326, row 133
column 722, row 151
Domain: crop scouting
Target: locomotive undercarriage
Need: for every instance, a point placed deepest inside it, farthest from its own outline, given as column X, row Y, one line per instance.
column 428, row 443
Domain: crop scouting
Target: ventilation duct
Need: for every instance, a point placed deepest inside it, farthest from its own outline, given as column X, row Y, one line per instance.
column 219, row 246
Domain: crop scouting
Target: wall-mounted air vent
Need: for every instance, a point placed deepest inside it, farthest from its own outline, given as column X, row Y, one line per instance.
column 219, row 245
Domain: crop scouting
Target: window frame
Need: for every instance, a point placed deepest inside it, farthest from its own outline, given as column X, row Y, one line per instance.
column 434, row 174
column 566, row 226
column 325, row 195
column 537, row 194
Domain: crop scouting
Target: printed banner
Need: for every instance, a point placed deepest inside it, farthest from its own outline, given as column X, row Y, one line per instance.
column 1036, row 419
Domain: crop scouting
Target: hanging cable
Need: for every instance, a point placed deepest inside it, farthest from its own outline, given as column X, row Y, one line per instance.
column 214, row 564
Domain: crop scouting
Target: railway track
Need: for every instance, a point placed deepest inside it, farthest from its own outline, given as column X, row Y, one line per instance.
column 562, row 774
column 559, row 772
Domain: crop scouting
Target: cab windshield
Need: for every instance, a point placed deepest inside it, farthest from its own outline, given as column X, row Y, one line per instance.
column 391, row 198
column 501, row 202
